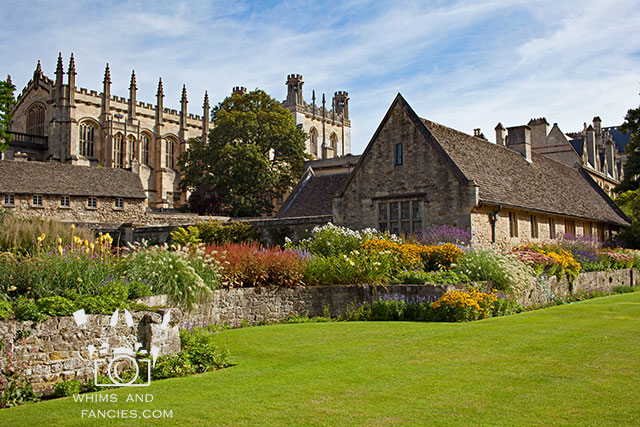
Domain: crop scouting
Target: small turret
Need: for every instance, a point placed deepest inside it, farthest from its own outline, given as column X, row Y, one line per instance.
column 342, row 103
column 294, row 89
column 239, row 90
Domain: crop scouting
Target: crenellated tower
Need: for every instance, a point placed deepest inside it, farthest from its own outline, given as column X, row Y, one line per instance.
column 329, row 130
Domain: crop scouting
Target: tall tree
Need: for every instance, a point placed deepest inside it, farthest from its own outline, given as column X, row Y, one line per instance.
column 253, row 155
column 631, row 125
column 6, row 100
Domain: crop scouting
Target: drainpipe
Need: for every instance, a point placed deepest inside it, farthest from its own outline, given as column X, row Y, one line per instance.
column 493, row 218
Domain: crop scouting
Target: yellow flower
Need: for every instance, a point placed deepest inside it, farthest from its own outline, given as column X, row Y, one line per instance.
column 12, row 288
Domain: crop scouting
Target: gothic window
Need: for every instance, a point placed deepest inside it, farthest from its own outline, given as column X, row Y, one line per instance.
column 170, row 148
column 333, row 148
column 314, row 141
column 118, row 151
column 86, row 139
column 146, row 141
column 35, row 120
column 131, row 147
column 400, row 216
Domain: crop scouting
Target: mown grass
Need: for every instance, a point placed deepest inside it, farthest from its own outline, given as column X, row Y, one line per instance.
column 576, row 364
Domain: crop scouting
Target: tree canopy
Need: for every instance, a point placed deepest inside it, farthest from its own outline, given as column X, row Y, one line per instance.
column 254, row 154
column 631, row 125
column 6, row 99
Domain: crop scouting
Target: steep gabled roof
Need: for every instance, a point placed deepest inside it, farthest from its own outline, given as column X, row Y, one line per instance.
column 313, row 195
column 52, row 178
column 505, row 177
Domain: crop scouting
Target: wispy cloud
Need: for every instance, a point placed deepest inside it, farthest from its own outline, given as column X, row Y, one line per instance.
column 466, row 64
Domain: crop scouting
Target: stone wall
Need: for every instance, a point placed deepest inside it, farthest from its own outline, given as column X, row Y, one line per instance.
column 481, row 227
column 423, row 177
column 78, row 212
column 57, row 349
column 236, row 307
column 546, row 290
column 252, row 305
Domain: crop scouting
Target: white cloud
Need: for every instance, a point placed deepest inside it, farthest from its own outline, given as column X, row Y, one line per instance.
column 465, row 64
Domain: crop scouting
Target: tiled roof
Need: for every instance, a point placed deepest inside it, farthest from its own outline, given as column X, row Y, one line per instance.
column 505, row 177
column 313, row 195
column 53, row 178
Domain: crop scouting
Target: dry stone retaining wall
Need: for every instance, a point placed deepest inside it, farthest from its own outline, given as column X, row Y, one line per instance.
column 57, row 349
column 252, row 305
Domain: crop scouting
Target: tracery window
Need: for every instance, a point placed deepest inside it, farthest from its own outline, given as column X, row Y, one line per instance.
column 145, row 149
column 131, row 147
column 86, row 139
column 118, row 151
column 314, row 141
column 35, row 120
column 170, row 147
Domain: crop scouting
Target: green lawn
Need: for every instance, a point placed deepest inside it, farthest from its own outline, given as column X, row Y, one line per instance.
column 577, row 364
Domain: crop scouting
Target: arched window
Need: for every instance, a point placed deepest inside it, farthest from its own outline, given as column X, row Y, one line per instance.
column 170, row 150
column 146, row 142
column 86, row 139
column 118, row 151
column 314, row 141
column 35, row 120
column 131, row 147
column 333, row 146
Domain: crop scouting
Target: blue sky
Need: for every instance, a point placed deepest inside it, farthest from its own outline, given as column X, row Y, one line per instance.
column 464, row 64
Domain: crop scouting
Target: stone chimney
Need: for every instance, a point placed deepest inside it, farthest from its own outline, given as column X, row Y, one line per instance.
column 539, row 131
column 500, row 134
column 597, row 125
column 592, row 154
column 519, row 139
column 609, row 155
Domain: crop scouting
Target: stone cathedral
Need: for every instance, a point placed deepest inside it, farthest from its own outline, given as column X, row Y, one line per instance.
column 54, row 120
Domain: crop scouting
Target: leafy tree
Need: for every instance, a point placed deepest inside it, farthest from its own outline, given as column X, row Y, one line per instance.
column 254, row 154
column 631, row 125
column 6, row 99
column 629, row 202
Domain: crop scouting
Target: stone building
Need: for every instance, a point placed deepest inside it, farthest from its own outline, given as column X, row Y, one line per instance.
column 329, row 130
column 53, row 190
column 600, row 151
column 53, row 119
column 415, row 173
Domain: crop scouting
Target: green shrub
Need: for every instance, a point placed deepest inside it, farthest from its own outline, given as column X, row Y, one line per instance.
column 623, row 289
column 505, row 272
column 6, row 310
column 172, row 365
column 67, row 388
column 189, row 236
column 216, row 233
column 27, row 309
column 421, row 277
column 55, row 306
